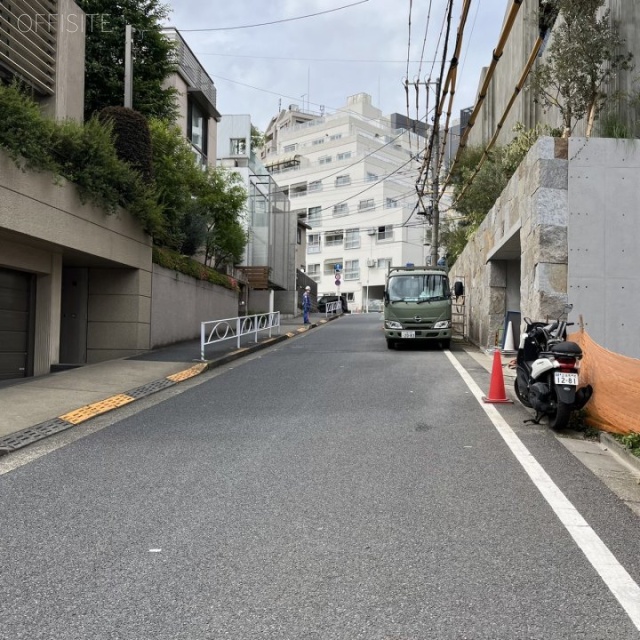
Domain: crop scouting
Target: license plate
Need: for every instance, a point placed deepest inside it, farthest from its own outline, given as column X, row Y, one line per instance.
column 566, row 378
column 408, row 334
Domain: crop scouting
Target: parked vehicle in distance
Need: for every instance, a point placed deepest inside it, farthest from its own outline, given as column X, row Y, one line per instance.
column 375, row 306
column 324, row 300
column 417, row 305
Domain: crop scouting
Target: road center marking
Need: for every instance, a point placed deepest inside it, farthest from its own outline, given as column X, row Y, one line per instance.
column 614, row 575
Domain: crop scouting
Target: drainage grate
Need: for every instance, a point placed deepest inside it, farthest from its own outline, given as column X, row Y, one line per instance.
column 148, row 389
column 33, row 434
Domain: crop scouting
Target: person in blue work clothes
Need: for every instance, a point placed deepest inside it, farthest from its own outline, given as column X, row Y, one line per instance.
column 306, row 305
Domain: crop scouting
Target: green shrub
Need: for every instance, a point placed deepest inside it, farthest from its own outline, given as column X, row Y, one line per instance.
column 183, row 264
column 132, row 138
column 25, row 135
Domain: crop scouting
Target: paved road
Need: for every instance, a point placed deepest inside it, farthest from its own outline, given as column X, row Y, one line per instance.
column 324, row 489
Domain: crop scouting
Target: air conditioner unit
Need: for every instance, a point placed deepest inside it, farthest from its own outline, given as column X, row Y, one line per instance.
column 371, row 262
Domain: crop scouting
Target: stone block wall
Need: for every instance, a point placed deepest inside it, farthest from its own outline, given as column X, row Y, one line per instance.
column 527, row 225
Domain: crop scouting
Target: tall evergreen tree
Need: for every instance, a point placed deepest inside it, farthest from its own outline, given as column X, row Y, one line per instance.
column 105, row 54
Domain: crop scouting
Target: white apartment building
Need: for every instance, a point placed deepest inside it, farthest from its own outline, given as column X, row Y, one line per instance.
column 351, row 177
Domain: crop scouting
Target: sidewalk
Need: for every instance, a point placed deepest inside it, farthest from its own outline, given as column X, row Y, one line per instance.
column 34, row 408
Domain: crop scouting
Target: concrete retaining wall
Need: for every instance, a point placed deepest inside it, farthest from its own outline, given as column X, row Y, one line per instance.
column 180, row 303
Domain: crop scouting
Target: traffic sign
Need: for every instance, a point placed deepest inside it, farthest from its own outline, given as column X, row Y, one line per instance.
column 337, row 282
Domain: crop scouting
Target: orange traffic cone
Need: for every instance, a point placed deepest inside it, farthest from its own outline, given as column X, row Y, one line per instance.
column 497, row 393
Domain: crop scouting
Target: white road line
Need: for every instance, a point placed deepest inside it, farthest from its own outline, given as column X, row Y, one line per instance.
column 614, row 575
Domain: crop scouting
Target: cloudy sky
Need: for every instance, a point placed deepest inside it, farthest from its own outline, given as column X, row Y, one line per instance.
column 351, row 46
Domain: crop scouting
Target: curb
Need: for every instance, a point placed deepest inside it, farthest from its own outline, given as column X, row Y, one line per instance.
column 620, row 450
column 30, row 435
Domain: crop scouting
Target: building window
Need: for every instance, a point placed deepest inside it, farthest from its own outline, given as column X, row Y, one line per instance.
column 364, row 205
column 313, row 243
column 390, row 203
column 352, row 240
column 317, row 141
column 352, row 270
column 333, row 239
column 384, row 263
column 238, row 146
column 324, row 160
column 289, row 148
column 314, row 215
column 299, row 235
column 330, row 266
column 335, row 136
column 197, row 131
column 341, row 209
column 343, row 156
column 351, row 296
column 385, row 233
column 313, row 271
column 297, row 190
column 316, row 185
column 372, row 177
column 341, row 181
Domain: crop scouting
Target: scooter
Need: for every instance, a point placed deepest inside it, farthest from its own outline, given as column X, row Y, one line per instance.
column 548, row 373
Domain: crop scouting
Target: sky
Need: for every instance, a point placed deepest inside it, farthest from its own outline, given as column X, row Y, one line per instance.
column 349, row 47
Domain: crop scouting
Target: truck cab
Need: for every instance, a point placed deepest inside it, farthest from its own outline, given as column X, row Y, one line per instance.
column 417, row 306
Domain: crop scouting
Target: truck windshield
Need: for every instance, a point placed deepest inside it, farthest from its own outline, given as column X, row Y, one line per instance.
column 418, row 288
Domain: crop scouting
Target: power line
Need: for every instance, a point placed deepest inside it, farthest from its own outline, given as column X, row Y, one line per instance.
column 295, row 59
column 264, row 24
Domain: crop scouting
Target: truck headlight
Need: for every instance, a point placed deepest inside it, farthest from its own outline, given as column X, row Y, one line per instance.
column 444, row 324
column 392, row 324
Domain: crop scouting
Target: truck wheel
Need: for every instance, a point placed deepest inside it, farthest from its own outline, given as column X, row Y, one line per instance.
column 391, row 344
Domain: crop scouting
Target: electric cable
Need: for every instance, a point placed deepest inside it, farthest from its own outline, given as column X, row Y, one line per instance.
column 264, row 24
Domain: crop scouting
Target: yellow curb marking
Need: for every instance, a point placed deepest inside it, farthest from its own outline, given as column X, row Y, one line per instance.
column 95, row 409
column 188, row 373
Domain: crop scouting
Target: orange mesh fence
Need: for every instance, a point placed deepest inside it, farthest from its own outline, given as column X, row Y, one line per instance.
column 615, row 404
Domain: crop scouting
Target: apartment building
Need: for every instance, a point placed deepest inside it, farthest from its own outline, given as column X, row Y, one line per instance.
column 350, row 176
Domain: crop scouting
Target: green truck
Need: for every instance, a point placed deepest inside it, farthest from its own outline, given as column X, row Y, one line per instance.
column 417, row 305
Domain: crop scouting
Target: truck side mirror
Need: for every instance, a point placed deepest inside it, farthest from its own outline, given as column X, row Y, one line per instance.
column 458, row 289
column 386, row 297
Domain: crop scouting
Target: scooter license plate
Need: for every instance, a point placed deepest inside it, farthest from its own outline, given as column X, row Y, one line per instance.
column 408, row 334
column 566, row 378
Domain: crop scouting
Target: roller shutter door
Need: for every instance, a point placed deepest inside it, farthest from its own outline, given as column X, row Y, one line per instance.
column 15, row 323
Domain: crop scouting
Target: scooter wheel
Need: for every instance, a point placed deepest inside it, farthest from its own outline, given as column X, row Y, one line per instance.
column 519, row 395
column 560, row 419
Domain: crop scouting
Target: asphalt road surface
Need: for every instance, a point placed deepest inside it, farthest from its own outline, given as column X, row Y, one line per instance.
column 324, row 489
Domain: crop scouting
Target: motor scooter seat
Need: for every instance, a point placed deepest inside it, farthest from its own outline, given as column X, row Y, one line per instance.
column 566, row 348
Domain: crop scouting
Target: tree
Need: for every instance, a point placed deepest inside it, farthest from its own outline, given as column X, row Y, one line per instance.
column 104, row 56
column 257, row 138
column 197, row 203
column 583, row 57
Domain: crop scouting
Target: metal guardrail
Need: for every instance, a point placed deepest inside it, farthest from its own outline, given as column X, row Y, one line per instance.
column 333, row 307
column 214, row 331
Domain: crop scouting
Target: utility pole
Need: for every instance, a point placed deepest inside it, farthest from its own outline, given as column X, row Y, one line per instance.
column 436, row 184
column 128, row 67
column 433, row 214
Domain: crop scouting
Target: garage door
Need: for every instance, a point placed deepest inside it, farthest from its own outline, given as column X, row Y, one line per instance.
column 15, row 333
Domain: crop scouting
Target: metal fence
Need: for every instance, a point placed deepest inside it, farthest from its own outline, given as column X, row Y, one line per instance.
column 214, row 331
column 333, row 307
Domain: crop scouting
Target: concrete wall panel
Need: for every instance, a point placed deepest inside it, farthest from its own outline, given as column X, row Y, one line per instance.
column 180, row 303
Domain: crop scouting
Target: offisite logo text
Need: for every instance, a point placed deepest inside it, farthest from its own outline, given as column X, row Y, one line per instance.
column 69, row 22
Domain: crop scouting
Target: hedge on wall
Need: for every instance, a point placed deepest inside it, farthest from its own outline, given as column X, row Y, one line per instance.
column 173, row 260
column 131, row 137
